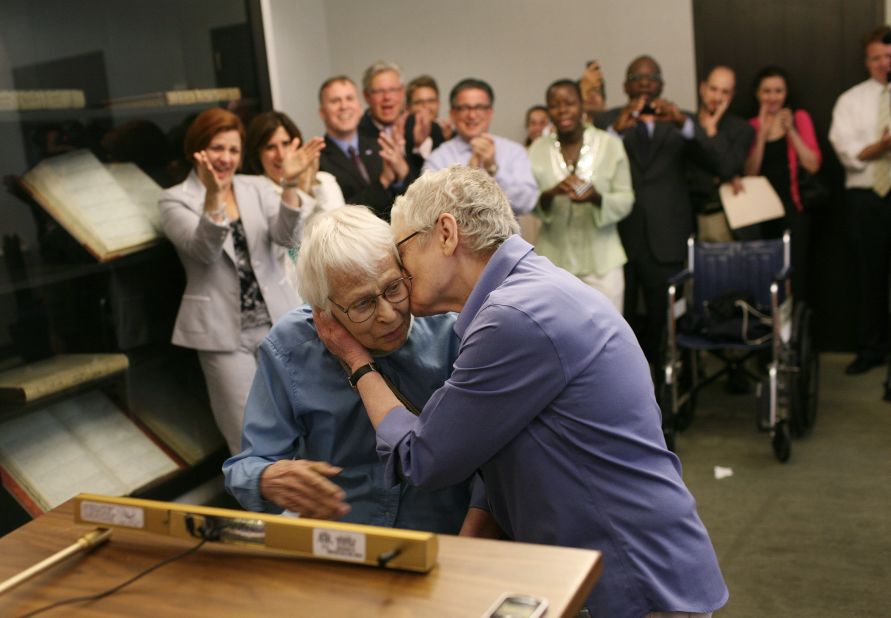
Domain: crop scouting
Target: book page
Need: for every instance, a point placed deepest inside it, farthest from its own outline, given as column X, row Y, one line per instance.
column 84, row 197
column 83, row 444
column 757, row 202
column 119, row 446
column 144, row 191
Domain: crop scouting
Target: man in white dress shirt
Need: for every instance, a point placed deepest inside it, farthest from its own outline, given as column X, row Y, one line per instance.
column 861, row 136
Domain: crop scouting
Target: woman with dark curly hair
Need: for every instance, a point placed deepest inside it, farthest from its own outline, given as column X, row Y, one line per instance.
column 785, row 144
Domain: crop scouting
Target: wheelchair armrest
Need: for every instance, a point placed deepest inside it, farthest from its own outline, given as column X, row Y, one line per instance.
column 680, row 277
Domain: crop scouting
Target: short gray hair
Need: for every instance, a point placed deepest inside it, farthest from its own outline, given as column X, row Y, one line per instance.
column 485, row 219
column 381, row 66
column 351, row 241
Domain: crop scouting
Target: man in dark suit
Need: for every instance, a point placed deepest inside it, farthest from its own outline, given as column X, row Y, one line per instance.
column 725, row 146
column 658, row 138
column 371, row 171
column 384, row 91
column 726, row 143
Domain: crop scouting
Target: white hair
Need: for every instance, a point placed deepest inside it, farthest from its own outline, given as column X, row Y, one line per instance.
column 380, row 66
column 349, row 241
column 485, row 219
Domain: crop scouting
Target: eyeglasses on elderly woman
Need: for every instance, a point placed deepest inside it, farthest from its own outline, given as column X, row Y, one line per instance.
column 394, row 293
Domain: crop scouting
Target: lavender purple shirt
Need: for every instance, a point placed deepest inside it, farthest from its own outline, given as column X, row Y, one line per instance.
column 551, row 399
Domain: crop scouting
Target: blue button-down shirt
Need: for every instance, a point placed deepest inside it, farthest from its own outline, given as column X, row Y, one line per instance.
column 301, row 407
column 514, row 174
column 551, row 398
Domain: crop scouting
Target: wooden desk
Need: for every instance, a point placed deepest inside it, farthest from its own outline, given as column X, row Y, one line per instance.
column 222, row 580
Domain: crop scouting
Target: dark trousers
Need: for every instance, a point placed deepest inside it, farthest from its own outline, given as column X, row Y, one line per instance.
column 869, row 236
column 645, row 276
column 798, row 224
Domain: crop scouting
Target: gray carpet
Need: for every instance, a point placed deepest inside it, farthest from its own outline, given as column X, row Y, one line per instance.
column 811, row 537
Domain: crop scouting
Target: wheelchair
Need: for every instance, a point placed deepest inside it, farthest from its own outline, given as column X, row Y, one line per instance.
column 788, row 382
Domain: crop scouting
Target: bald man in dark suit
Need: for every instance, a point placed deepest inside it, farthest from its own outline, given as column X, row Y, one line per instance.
column 659, row 139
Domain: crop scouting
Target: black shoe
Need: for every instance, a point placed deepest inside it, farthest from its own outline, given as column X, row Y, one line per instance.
column 862, row 364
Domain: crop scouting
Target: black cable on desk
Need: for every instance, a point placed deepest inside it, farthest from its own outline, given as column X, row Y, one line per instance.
column 105, row 593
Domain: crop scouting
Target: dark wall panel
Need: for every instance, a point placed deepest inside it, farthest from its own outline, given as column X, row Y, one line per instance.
column 818, row 43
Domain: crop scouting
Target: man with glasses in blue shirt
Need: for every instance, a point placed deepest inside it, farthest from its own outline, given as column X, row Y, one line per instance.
column 505, row 160
column 307, row 444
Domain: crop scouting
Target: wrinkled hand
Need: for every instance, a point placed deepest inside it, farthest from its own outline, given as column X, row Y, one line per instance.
column 298, row 158
column 482, row 151
column 207, row 176
column 393, row 154
column 302, row 486
column 339, row 341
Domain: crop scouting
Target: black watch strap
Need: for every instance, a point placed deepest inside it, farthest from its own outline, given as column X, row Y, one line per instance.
column 353, row 380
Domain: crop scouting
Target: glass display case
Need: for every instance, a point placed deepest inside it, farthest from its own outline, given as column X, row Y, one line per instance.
column 95, row 97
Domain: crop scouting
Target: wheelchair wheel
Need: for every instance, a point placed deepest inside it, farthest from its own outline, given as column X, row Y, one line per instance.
column 683, row 418
column 669, row 434
column 781, row 441
column 663, row 398
column 805, row 381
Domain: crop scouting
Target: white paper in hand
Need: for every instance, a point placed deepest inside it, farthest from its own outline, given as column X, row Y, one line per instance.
column 757, row 202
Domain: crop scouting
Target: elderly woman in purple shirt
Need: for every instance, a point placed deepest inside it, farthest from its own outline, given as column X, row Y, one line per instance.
column 550, row 398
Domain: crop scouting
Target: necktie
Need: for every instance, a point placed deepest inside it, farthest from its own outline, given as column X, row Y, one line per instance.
column 643, row 138
column 882, row 166
column 360, row 165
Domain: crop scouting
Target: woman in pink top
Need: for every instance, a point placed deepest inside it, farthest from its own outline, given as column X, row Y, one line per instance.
column 785, row 143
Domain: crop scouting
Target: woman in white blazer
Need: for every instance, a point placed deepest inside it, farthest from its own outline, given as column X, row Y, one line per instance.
column 223, row 226
column 268, row 138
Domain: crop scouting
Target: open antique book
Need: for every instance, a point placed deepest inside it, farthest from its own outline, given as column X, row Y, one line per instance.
column 112, row 210
column 83, row 443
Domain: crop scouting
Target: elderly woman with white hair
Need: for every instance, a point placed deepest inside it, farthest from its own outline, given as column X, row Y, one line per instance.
column 550, row 398
column 308, row 445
